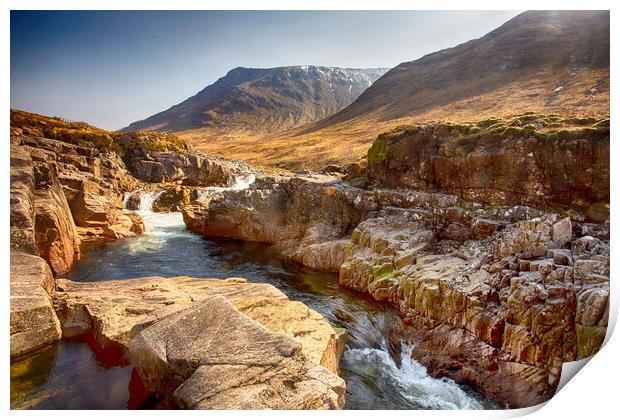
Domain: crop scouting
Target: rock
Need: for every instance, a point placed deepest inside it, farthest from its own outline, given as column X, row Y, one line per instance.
column 133, row 201
column 530, row 236
column 172, row 200
column 112, row 309
column 221, row 367
column 22, row 201
column 184, row 167
column 33, row 321
column 92, row 210
column 126, row 225
column 149, row 171
column 90, row 181
column 503, row 331
column 482, row 228
column 456, row 231
column 325, row 256
column 116, row 312
column 495, row 168
column 55, row 233
column 303, row 217
column 562, row 232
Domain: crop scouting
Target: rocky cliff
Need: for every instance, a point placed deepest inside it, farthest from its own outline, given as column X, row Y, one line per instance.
column 530, row 159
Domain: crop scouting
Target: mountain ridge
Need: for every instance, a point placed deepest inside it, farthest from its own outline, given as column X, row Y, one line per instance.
column 257, row 100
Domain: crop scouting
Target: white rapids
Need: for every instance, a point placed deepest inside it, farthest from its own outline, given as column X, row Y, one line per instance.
column 242, row 182
column 408, row 382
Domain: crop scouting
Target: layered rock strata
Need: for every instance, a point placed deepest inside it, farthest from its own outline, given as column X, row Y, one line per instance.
column 530, row 161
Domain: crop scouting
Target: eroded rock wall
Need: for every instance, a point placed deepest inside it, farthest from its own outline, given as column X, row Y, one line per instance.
column 517, row 166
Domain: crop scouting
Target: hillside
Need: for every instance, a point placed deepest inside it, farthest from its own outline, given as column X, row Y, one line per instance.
column 539, row 61
column 259, row 101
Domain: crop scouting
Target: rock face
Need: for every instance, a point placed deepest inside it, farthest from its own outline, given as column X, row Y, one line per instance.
column 221, row 367
column 55, row 233
column 77, row 192
column 33, row 321
column 305, row 218
column 498, row 297
column 22, row 202
column 184, row 167
column 514, row 165
column 502, row 313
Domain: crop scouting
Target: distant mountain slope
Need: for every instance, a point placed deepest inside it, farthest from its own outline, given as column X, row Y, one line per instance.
column 264, row 100
column 540, row 61
column 544, row 60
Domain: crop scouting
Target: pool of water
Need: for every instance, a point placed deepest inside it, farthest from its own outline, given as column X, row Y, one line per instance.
column 376, row 365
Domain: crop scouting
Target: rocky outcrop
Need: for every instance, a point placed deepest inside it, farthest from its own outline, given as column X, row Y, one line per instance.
column 140, row 316
column 22, row 202
column 55, row 233
column 87, row 186
column 519, row 164
column 502, row 313
column 33, row 321
column 305, row 218
column 181, row 166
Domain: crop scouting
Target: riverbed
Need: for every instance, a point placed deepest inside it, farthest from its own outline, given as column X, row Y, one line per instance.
column 378, row 370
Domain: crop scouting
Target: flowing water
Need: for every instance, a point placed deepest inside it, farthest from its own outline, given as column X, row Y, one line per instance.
column 378, row 370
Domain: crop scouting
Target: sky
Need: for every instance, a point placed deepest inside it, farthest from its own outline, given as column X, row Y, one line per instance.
column 111, row 68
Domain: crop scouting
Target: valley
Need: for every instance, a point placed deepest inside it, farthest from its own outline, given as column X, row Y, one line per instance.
column 431, row 236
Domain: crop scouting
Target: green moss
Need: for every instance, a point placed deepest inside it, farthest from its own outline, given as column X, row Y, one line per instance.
column 382, row 271
column 378, row 151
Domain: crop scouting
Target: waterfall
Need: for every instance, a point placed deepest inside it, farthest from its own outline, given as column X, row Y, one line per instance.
column 147, row 198
column 242, row 182
column 156, row 225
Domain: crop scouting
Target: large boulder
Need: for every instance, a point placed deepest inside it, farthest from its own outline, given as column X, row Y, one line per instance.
column 206, row 357
column 33, row 321
column 172, row 200
column 117, row 312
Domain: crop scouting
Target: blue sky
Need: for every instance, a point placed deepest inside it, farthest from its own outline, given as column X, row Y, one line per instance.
column 112, row 68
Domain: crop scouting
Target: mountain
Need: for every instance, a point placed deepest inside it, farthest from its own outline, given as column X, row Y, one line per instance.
column 547, row 61
column 259, row 101
column 539, row 61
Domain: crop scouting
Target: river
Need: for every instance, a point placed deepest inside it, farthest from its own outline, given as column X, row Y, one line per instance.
column 378, row 370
